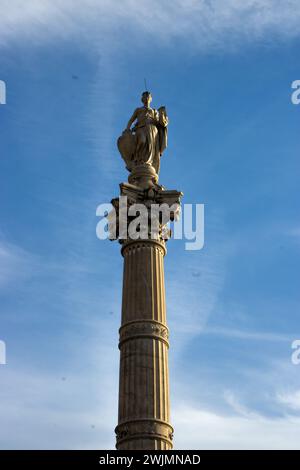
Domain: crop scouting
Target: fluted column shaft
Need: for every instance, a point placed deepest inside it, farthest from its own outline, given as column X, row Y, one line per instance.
column 144, row 409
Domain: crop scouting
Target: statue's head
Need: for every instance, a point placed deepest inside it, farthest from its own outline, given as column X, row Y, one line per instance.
column 146, row 98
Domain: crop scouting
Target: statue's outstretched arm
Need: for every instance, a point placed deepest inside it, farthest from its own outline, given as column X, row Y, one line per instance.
column 131, row 120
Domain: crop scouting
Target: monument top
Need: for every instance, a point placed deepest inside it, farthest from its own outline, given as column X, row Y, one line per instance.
column 143, row 142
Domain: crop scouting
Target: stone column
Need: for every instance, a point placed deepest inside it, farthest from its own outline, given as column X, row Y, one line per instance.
column 144, row 407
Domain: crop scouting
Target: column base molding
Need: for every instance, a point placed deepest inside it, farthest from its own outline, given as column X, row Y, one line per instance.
column 145, row 429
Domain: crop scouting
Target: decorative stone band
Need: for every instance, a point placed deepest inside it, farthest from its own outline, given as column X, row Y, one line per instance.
column 144, row 329
column 134, row 244
column 144, row 429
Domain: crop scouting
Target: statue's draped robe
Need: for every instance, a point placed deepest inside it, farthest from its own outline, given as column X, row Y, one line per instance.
column 147, row 137
column 148, row 140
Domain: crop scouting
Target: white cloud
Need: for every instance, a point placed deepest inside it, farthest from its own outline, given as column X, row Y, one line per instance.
column 248, row 335
column 63, row 409
column 236, row 406
column 290, row 399
column 76, row 409
column 15, row 263
column 202, row 24
column 201, row 429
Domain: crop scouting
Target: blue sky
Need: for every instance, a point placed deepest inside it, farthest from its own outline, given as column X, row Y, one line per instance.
column 74, row 74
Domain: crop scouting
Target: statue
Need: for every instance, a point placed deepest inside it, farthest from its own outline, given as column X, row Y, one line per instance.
column 141, row 145
column 145, row 142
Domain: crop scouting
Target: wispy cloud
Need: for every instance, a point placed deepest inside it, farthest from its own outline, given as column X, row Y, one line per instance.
column 290, row 399
column 248, row 335
column 237, row 406
column 204, row 24
column 201, row 429
column 15, row 263
column 65, row 409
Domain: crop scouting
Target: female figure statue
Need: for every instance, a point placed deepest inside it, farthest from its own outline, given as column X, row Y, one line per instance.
column 146, row 141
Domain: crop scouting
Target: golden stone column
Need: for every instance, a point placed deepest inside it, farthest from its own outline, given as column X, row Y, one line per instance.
column 144, row 404
column 144, row 407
